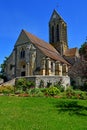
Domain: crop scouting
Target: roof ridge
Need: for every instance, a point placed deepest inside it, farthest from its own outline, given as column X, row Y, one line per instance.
column 43, row 41
column 34, row 35
column 45, row 47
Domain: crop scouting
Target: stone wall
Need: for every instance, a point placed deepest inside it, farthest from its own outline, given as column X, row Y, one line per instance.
column 65, row 80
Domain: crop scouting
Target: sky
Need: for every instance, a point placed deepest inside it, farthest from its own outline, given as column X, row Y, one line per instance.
column 34, row 15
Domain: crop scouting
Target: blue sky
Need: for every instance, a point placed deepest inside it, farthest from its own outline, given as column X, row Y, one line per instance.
column 34, row 15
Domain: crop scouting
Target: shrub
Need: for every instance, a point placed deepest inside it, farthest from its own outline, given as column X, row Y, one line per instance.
column 52, row 91
column 24, row 84
column 36, row 92
column 83, row 95
column 21, row 84
column 19, row 91
column 70, row 92
column 59, row 85
column 6, row 89
column 30, row 84
column 44, row 90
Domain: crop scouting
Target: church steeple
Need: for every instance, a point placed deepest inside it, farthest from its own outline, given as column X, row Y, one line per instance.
column 58, row 32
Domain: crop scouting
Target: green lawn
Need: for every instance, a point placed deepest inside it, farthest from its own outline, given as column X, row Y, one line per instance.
column 37, row 113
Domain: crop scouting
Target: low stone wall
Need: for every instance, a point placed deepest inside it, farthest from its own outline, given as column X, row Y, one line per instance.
column 46, row 80
column 65, row 80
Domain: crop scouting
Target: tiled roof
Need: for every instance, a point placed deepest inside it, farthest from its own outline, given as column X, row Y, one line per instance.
column 70, row 52
column 46, row 48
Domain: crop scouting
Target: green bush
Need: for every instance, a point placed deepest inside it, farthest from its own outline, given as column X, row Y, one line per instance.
column 24, row 84
column 52, row 91
column 36, row 92
column 70, row 92
column 19, row 91
column 75, row 94
column 21, row 84
column 6, row 89
column 82, row 95
column 30, row 84
column 44, row 90
column 59, row 86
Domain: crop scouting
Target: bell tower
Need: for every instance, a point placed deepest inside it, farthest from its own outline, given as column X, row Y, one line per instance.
column 58, row 32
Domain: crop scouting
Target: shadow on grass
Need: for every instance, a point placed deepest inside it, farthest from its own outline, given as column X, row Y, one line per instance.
column 72, row 107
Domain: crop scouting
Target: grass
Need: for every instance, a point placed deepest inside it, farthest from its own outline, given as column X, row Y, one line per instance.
column 34, row 113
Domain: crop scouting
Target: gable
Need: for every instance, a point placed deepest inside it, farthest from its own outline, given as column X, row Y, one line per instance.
column 22, row 39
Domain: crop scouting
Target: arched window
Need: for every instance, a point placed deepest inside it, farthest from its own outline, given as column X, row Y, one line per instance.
column 22, row 53
column 52, row 33
column 57, row 33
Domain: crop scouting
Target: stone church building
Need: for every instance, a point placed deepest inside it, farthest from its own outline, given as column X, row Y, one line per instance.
column 32, row 56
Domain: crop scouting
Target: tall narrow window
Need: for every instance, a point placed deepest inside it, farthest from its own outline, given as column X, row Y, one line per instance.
column 52, row 33
column 57, row 33
column 22, row 53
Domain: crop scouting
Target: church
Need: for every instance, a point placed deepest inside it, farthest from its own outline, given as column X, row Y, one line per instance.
column 32, row 56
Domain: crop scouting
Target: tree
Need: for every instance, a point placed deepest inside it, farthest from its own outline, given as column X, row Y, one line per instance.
column 78, row 72
column 83, row 50
column 2, row 71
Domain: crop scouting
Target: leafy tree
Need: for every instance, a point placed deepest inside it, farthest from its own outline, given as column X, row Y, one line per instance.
column 2, row 71
column 83, row 50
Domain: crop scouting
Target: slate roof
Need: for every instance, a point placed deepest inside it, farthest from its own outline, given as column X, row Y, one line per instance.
column 46, row 48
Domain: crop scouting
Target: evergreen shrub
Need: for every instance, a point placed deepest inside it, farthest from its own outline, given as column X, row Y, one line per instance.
column 52, row 91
